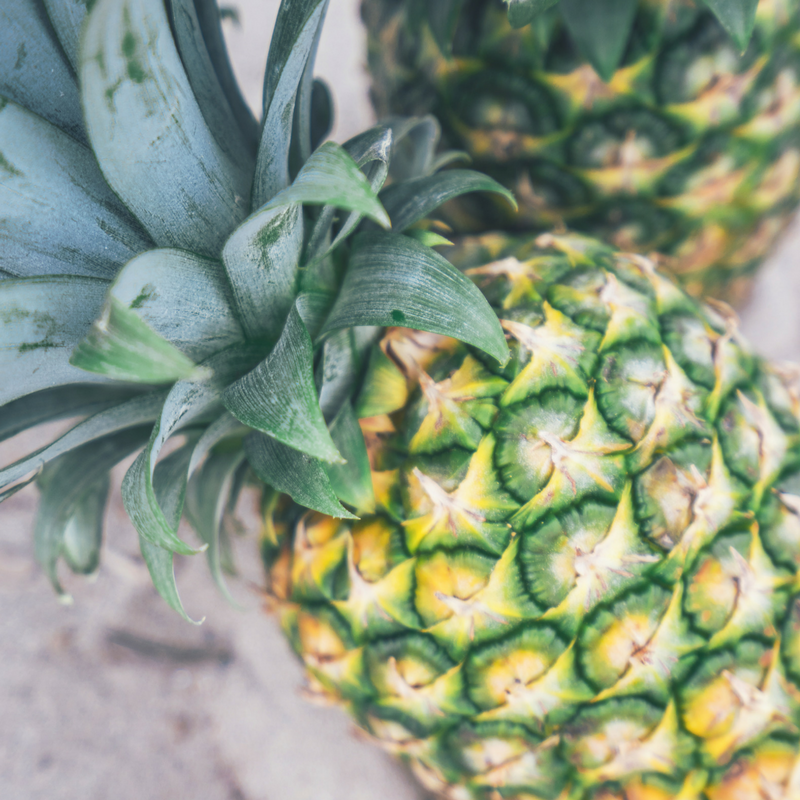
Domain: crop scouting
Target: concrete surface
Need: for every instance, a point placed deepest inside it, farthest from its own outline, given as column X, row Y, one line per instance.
column 115, row 697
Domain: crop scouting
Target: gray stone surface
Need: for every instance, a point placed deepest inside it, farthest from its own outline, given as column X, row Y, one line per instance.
column 115, row 697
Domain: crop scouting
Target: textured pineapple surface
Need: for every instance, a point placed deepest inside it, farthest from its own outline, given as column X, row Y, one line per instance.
column 690, row 149
column 579, row 577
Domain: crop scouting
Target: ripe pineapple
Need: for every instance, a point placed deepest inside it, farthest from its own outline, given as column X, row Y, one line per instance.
column 642, row 123
column 577, row 575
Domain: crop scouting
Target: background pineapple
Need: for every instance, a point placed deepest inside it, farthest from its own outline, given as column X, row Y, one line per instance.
column 639, row 122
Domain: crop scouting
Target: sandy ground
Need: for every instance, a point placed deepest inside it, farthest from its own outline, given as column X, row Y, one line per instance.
column 115, row 697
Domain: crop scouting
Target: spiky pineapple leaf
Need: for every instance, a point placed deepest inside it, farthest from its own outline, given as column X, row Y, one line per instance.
column 738, row 17
column 352, row 481
column 183, row 297
column 394, row 280
column 59, row 216
column 303, row 478
column 343, row 355
column 225, row 426
column 414, row 144
column 60, row 402
column 122, row 346
column 442, row 19
column 208, row 91
column 411, row 201
column 210, row 17
column 74, row 488
column 279, row 396
column 206, row 503
column 522, row 12
column 293, row 43
column 41, row 321
column 141, row 410
column 188, row 402
column 600, row 30
column 33, row 69
column 67, row 20
column 170, row 493
column 148, row 132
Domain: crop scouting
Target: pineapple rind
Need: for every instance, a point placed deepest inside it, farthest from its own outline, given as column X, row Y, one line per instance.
column 635, row 636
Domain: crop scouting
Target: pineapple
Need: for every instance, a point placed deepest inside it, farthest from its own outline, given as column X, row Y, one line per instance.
column 642, row 123
column 576, row 575
column 531, row 516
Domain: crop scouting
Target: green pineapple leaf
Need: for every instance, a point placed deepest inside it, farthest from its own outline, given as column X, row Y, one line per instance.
column 120, row 345
column 738, row 17
column 67, row 20
column 293, row 44
column 601, row 30
column 394, row 280
column 303, row 478
column 279, row 396
column 43, row 82
column 413, row 200
column 443, row 18
column 522, row 12
column 352, row 481
column 148, row 133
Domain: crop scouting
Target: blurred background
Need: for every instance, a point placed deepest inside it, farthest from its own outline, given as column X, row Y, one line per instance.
column 115, row 697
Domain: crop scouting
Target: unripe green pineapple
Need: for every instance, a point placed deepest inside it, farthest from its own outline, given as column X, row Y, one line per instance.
column 639, row 121
column 577, row 575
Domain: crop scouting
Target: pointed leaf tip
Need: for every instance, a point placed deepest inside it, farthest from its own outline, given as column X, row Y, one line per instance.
column 523, row 12
column 738, row 17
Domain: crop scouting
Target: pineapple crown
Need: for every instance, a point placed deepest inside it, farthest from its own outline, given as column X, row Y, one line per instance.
column 599, row 29
column 171, row 268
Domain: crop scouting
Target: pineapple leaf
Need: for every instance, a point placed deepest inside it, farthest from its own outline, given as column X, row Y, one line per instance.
column 352, row 481
column 414, row 144
column 394, row 280
column 293, row 42
column 41, row 321
column 138, row 411
column 738, row 17
column 74, row 489
column 121, row 346
column 148, row 133
column 58, row 403
column 182, row 297
column 208, row 91
column 59, row 216
column 67, row 20
column 522, row 12
column 223, row 427
column 600, row 30
column 343, row 356
column 443, row 18
column 34, row 71
column 279, row 396
column 303, row 478
column 209, row 16
column 414, row 200
column 170, row 491
column 187, row 402
column 206, row 503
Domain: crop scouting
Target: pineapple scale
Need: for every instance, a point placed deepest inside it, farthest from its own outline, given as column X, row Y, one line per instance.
column 580, row 579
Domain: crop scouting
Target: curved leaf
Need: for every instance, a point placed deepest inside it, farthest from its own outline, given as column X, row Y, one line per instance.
column 738, row 17
column 303, row 478
column 221, row 428
column 151, row 141
column 415, row 141
column 41, row 321
column 352, row 481
column 183, row 297
column 209, row 17
column 394, row 280
column 74, row 489
column 414, row 200
column 186, row 403
column 208, row 91
column 443, row 18
column 34, row 71
column 293, row 41
column 343, row 359
column 600, row 30
column 279, row 396
column 206, row 503
column 132, row 413
column 68, row 19
column 58, row 214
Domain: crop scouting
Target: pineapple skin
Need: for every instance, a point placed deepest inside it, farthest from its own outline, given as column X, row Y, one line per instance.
column 691, row 150
column 579, row 577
